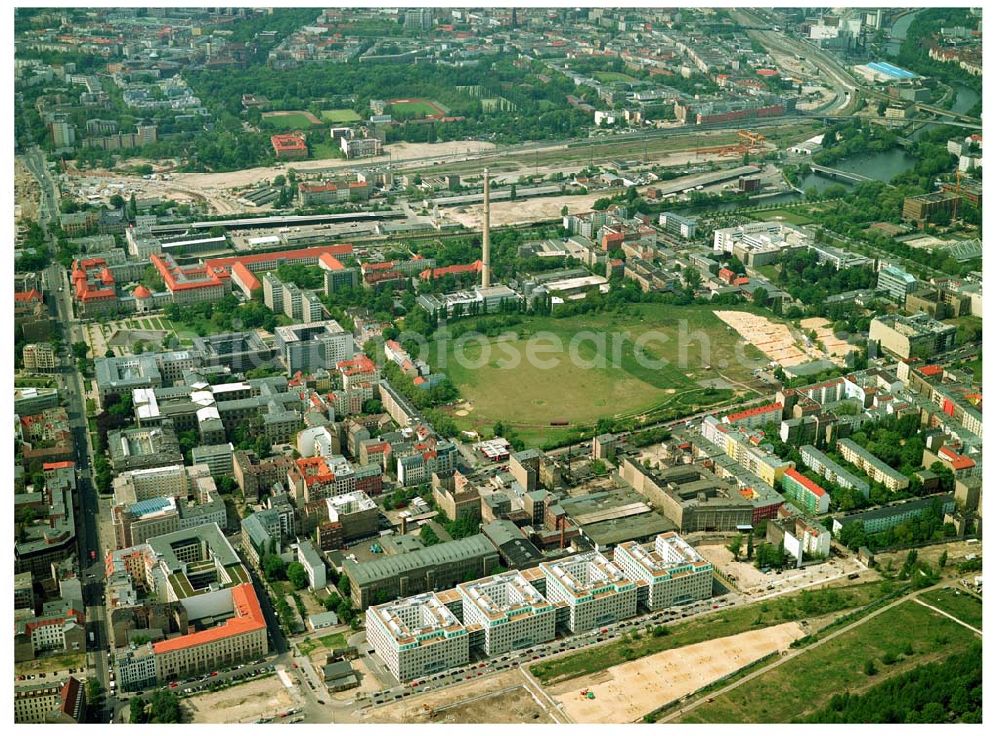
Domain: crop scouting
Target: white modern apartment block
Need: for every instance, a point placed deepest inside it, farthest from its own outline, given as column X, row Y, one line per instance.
column 676, row 573
column 513, row 614
column 597, row 591
column 417, row 636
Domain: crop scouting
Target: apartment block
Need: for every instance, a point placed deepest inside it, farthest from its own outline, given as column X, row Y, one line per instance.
column 49, row 702
column 896, row 282
column 804, row 493
column 886, row 517
column 874, row 468
column 256, row 476
column 313, row 478
column 756, row 417
column 820, row 463
column 917, row 336
column 40, row 357
column 799, row 537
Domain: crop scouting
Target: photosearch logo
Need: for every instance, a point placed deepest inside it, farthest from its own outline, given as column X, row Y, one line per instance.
column 682, row 348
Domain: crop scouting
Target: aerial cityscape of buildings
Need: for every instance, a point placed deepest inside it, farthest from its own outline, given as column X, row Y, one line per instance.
column 498, row 365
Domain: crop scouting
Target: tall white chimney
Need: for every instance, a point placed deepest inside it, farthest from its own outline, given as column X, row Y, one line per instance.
column 486, row 228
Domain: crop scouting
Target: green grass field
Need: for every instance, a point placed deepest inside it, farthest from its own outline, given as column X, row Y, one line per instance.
column 340, row 115
column 807, row 682
column 975, row 367
column 612, row 77
column 792, row 217
column 727, row 622
column 581, row 383
column 958, row 603
column 334, row 641
column 292, row 120
column 413, row 109
column 326, row 149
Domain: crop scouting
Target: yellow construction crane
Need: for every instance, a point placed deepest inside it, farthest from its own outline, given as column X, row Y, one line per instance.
column 751, row 139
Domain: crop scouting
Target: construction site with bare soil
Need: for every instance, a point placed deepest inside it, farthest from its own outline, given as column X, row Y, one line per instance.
column 503, row 698
column 625, row 693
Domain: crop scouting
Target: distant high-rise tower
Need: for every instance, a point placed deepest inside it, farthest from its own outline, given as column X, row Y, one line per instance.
column 486, row 228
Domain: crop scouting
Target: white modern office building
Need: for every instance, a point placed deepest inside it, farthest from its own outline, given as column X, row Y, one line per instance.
column 513, row 614
column 417, row 636
column 597, row 591
column 675, row 573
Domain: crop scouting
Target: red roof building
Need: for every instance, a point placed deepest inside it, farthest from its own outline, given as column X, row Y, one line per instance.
column 247, row 617
column 244, row 278
column 329, row 262
column 954, row 460
column 191, row 284
column 289, row 146
column 93, row 286
column 28, row 297
column 436, row 273
column 755, row 417
column 261, row 262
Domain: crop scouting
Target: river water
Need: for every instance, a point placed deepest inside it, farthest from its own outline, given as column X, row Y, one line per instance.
column 897, row 34
column 882, row 166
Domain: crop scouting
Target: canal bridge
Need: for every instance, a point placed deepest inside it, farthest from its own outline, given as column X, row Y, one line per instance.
column 839, row 174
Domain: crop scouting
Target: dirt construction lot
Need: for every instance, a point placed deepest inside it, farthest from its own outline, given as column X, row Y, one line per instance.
column 522, row 210
column 773, row 339
column 625, row 693
column 499, row 699
column 746, row 575
column 239, row 704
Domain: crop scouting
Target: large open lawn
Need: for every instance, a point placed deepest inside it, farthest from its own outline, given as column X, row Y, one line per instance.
column 613, row 77
column 290, row 120
column 790, row 216
column 806, row 682
column 645, row 362
column 415, row 108
column 961, row 605
column 726, row 622
column 340, row 115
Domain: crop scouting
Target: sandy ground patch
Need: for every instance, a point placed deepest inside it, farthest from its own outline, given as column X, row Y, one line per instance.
column 746, row 575
column 627, row 692
column 773, row 339
column 212, row 188
column 498, row 699
column 240, row 704
column 835, row 347
column 528, row 210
